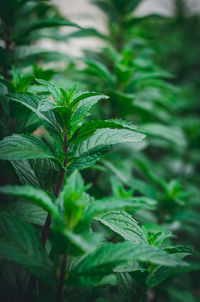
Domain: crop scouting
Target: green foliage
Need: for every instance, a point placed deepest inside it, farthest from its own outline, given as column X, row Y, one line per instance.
column 20, row 242
column 102, row 260
column 21, row 147
column 39, row 197
column 123, row 224
column 126, row 227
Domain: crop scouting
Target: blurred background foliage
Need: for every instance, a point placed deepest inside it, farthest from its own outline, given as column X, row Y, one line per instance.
column 150, row 68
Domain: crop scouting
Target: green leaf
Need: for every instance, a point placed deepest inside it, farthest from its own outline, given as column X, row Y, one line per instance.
column 27, row 212
column 22, row 83
column 79, row 244
column 73, row 200
column 135, row 20
column 112, row 203
column 125, row 284
column 157, row 275
column 14, row 281
column 21, row 243
column 22, row 147
column 51, row 22
column 88, row 128
column 87, row 160
column 104, row 259
column 100, row 70
column 179, row 249
column 86, row 153
column 75, row 183
column 86, row 32
column 34, row 172
column 25, row 172
column 53, row 89
column 130, row 266
column 159, row 237
column 123, row 224
column 102, row 138
column 37, row 196
column 31, row 53
column 36, row 105
column 171, row 134
column 44, row 23
column 83, row 108
column 79, row 96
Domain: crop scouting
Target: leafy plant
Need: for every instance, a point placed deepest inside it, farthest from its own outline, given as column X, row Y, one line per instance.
column 93, row 207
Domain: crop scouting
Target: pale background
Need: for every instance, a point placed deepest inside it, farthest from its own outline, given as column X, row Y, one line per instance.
column 88, row 15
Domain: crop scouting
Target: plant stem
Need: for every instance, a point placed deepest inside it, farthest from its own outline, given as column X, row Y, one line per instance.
column 46, row 229
column 61, row 279
column 120, row 38
column 7, row 49
column 47, row 225
column 139, row 295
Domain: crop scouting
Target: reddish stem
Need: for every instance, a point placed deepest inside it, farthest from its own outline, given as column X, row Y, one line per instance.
column 140, row 295
column 47, row 225
column 61, row 279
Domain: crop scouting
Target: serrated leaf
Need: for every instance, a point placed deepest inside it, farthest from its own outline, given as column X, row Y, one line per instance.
column 109, row 204
column 25, row 172
column 87, row 160
column 131, row 266
column 179, row 249
column 123, row 224
column 35, row 104
column 37, row 196
column 79, row 96
column 27, row 212
column 86, row 153
column 104, row 138
column 83, row 108
column 104, row 259
column 53, row 89
column 22, row 147
column 125, row 285
column 35, row 172
column 21, row 243
column 88, row 128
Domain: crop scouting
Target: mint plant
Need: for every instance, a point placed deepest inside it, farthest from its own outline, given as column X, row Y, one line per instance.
column 94, row 208
column 72, row 145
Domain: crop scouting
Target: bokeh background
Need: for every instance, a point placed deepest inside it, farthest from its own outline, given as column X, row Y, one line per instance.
column 86, row 14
